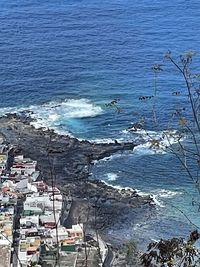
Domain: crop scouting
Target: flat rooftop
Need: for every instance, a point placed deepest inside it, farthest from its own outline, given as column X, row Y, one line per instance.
column 5, row 252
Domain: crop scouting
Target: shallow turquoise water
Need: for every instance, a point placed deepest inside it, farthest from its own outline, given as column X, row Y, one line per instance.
column 65, row 60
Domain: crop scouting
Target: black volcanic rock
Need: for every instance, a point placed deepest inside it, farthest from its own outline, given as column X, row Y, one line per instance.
column 69, row 160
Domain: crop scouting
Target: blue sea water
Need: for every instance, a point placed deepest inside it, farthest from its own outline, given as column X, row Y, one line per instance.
column 65, row 60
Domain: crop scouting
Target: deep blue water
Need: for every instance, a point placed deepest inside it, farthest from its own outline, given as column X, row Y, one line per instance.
column 67, row 59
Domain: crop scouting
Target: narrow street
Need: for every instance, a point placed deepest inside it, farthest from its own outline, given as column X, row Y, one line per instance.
column 16, row 226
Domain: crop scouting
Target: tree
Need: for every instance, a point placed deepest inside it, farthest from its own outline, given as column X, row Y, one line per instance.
column 177, row 251
column 174, row 252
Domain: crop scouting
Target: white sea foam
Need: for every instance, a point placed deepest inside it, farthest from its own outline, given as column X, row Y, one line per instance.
column 160, row 194
column 112, row 157
column 147, row 142
column 157, row 195
column 141, row 193
column 151, row 142
column 111, row 176
column 106, row 140
column 156, row 201
column 11, row 110
column 118, row 187
column 136, row 226
column 163, row 193
column 109, row 158
column 154, row 197
column 52, row 114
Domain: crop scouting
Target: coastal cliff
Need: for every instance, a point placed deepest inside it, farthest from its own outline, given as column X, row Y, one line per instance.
column 70, row 160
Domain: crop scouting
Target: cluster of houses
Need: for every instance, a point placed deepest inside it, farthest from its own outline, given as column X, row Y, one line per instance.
column 32, row 215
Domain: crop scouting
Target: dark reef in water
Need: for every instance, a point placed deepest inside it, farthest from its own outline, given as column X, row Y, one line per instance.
column 71, row 160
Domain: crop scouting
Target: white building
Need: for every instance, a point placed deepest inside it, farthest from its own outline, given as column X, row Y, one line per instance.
column 44, row 200
column 29, row 220
column 23, row 166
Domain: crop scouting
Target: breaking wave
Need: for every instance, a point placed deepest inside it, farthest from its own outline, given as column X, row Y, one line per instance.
column 54, row 115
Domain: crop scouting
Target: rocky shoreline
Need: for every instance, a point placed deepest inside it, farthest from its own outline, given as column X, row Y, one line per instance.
column 69, row 161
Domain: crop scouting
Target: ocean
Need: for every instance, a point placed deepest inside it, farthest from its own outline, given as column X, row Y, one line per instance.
column 67, row 60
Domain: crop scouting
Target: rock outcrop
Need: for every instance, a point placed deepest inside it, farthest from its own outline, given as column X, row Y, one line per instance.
column 68, row 160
